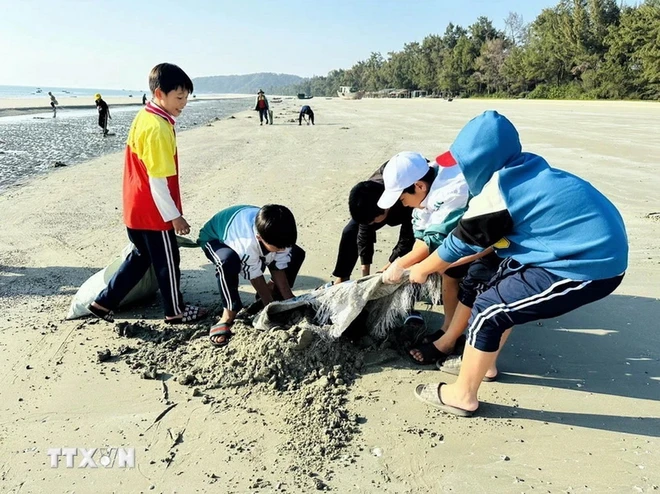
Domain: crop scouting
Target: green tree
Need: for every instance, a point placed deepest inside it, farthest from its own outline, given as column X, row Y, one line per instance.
column 632, row 65
column 578, row 48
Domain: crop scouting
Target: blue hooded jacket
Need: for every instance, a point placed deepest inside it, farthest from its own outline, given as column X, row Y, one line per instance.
column 529, row 211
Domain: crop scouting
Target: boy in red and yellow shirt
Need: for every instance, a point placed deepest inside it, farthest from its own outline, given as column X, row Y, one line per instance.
column 152, row 201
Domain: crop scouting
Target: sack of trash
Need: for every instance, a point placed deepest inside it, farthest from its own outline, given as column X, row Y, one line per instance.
column 94, row 285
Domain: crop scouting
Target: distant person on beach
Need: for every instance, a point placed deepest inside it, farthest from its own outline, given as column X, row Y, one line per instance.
column 53, row 103
column 261, row 105
column 359, row 235
column 104, row 113
column 144, row 99
column 564, row 245
column 305, row 113
column 152, row 201
column 245, row 240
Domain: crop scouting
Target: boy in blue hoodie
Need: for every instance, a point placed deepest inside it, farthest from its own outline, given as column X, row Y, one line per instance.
column 564, row 242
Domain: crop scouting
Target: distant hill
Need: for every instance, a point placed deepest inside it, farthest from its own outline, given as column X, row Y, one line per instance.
column 247, row 84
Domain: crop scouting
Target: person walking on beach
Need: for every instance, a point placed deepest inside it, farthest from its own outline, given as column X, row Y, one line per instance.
column 144, row 99
column 53, row 103
column 152, row 201
column 104, row 113
column 261, row 105
column 305, row 113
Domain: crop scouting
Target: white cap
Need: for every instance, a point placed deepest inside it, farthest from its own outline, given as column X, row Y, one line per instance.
column 403, row 170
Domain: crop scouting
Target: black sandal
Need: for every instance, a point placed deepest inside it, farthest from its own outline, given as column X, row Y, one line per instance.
column 106, row 315
column 431, row 337
column 430, row 354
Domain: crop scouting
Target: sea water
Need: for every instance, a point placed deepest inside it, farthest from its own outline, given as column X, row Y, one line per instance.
column 69, row 92
column 33, row 144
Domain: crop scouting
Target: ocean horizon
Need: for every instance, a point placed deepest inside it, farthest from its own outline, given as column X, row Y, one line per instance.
column 24, row 92
column 18, row 92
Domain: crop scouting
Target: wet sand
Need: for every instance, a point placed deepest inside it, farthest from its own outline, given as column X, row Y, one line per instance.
column 576, row 409
column 37, row 143
column 28, row 106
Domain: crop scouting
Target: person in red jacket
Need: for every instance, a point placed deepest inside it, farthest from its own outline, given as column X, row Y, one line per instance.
column 261, row 105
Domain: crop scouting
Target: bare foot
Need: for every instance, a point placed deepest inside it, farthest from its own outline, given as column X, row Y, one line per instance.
column 190, row 314
column 94, row 304
column 491, row 373
column 451, row 395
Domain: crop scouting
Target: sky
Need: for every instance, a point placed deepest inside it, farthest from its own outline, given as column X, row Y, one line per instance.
column 114, row 44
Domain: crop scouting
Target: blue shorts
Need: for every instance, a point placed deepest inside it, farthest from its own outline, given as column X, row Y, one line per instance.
column 477, row 278
column 520, row 294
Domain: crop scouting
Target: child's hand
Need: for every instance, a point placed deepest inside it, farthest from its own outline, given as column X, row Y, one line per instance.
column 384, row 268
column 181, row 226
column 393, row 273
column 417, row 274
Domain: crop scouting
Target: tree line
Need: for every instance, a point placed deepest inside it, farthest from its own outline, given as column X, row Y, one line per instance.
column 579, row 49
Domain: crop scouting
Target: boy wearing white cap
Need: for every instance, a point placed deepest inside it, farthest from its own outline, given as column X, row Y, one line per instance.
column 439, row 195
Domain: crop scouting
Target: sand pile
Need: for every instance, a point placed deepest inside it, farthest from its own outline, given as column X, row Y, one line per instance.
column 290, row 358
column 307, row 376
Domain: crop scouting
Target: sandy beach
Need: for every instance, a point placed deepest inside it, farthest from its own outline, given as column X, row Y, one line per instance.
column 577, row 408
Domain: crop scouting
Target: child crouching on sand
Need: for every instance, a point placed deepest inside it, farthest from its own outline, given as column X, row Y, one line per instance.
column 244, row 240
column 564, row 245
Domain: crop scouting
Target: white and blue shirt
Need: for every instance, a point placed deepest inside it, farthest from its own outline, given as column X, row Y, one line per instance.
column 235, row 228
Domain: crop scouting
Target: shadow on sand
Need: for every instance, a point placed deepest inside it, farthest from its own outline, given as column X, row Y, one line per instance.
column 611, row 347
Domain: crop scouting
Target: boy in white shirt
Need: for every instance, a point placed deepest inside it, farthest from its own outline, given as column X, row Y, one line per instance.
column 245, row 240
column 438, row 194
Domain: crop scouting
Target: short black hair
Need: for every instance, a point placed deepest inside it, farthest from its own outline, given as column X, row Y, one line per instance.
column 363, row 201
column 428, row 178
column 276, row 225
column 169, row 77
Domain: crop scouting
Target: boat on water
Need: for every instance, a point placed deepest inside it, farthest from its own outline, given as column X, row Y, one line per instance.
column 349, row 92
column 304, row 96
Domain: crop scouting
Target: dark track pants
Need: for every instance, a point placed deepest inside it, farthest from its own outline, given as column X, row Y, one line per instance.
column 228, row 266
column 157, row 248
column 348, row 253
